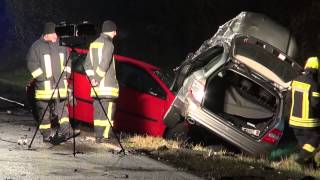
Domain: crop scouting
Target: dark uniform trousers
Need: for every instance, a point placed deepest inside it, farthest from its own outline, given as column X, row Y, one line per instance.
column 308, row 141
column 101, row 123
column 55, row 116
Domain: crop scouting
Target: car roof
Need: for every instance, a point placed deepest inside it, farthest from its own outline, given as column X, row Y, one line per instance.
column 125, row 59
column 136, row 62
column 265, row 29
column 255, row 25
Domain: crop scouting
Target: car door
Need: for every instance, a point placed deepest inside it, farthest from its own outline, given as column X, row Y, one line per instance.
column 141, row 103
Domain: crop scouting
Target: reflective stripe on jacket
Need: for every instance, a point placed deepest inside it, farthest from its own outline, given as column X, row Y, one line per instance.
column 46, row 62
column 305, row 100
column 100, row 65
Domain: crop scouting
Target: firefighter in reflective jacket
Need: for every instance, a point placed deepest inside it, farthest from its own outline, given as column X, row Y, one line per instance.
column 100, row 67
column 304, row 115
column 46, row 61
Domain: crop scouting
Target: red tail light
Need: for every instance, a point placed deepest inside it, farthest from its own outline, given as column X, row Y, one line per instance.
column 273, row 136
column 197, row 90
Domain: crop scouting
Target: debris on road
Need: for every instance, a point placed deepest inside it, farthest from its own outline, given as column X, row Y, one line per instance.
column 23, row 140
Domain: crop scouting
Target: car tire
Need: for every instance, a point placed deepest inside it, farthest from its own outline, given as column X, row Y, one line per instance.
column 178, row 132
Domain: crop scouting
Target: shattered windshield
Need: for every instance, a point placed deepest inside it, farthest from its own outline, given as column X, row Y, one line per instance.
column 166, row 76
column 265, row 55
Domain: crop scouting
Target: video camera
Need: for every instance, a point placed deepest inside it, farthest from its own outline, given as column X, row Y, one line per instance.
column 76, row 35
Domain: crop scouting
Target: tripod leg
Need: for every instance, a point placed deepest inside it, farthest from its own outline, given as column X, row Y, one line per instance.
column 71, row 99
column 104, row 111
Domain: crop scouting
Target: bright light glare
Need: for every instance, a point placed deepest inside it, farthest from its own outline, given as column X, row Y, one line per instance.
column 197, row 90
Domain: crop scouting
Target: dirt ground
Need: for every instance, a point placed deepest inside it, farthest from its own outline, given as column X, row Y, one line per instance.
column 91, row 161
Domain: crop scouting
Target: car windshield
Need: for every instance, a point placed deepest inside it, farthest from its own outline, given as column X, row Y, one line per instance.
column 267, row 56
column 166, row 76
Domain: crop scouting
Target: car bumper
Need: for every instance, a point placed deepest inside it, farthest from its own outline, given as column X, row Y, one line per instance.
column 226, row 131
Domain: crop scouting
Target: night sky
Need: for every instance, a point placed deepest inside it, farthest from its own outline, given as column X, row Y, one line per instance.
column 4, row 23
column 159, row 32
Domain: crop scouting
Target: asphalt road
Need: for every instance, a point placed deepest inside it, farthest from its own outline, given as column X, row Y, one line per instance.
column 92, row 161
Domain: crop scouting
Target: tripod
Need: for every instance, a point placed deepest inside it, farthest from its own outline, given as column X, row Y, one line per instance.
column 73, row 109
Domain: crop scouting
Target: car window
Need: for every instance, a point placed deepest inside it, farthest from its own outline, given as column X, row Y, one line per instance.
column 213, row 62
column 165, row 76
column 136, row 78
column 213, row 56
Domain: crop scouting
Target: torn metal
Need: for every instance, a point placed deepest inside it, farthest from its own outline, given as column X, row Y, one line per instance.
column 253, row 24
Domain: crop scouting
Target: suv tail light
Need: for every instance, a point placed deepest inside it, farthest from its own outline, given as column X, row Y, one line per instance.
column 272, row 136
column 197, row 90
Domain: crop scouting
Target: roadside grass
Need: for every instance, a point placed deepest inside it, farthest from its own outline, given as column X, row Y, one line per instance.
column 210, row 164
column 13, row 83
column 15, row 76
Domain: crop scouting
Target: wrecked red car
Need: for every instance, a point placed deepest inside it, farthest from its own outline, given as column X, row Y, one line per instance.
column 143, row 99
column 144, row 89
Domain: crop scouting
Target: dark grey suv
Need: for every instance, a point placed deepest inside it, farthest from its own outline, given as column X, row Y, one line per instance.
column 235, row 85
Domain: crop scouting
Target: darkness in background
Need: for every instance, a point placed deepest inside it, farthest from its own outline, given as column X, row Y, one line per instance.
column 4, row 23
column 159, row 32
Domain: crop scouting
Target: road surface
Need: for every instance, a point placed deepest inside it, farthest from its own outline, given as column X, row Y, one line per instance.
column 92, row 161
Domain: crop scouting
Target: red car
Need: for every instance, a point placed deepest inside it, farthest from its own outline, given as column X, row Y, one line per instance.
column 143, row 100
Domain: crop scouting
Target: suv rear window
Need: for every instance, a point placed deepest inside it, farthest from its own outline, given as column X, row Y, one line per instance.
column 265, row 55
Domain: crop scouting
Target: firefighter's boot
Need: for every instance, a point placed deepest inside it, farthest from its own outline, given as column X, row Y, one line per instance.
column 67, row 131
column 107, row 134
column 316, row 160
column 47, row 134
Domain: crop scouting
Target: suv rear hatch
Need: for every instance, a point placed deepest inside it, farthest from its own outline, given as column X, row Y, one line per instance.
column 248, row 94
column 242, row 100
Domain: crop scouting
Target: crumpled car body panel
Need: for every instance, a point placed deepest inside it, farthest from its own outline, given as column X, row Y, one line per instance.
column 200, row 67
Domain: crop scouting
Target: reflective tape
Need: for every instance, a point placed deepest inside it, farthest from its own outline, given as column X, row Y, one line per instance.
column 64, row 120
column 106, row 130
column 90, row 72
column 315, row 94
column 309, row 148
column 96, row 45
column 110, row 110
column 43, row 94
column 103, row 123
column 99, row 46
column 300, row 122
column 61, row 55
column 45, row 126
column 100, row 72
column 105, row 91
column 100, row 54
column 37, row 73
column 47, row 63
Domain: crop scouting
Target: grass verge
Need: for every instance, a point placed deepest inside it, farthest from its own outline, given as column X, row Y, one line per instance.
column 211, row 164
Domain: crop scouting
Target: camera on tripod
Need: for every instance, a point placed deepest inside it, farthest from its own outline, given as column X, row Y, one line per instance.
column 76, row 35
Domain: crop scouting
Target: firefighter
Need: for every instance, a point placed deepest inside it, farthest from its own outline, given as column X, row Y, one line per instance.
column 46, row 61
column 304, row 115
column 100, row 68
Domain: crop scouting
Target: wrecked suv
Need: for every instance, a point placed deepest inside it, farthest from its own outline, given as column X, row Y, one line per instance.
column 235, row 85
